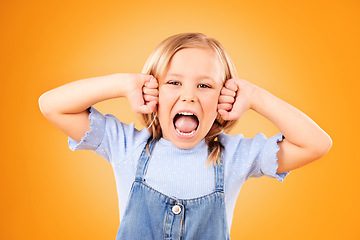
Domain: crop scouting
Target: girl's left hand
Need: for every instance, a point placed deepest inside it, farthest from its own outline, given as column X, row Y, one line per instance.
column 236, row 97
column 304, row 140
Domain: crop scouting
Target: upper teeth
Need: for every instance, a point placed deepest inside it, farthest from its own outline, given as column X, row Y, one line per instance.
column 186, row 113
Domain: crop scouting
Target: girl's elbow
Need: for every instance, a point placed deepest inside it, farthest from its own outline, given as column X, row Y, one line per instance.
column 44, row 105
column 41, row 103
column 327, row 144
column 323, row 147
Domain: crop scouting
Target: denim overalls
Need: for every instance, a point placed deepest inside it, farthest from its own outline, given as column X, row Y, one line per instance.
column 150, row 214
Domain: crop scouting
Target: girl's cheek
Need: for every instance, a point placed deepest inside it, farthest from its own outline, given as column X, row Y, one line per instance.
column 166, row 96
column 211, row 103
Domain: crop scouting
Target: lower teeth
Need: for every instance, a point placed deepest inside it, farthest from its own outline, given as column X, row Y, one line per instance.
column 185, row 134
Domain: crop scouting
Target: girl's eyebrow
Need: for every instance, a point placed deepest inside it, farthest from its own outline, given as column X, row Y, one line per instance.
column 198, row 78
column 174, row 75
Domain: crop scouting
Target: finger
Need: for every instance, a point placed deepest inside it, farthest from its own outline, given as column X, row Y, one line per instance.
column 144, row 78
column 241, row 83
column 152, row 83
column 224, row 114
column 226, row 99
column 225, row 106
column 238, row 108
column 136, row 98
column 228, row 92
column 149, row 107
column 231, row 85
column 229, row 115
column 149, row 98
column 151, row 91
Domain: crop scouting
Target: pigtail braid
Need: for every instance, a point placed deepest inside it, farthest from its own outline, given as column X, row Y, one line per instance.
column 214, row 146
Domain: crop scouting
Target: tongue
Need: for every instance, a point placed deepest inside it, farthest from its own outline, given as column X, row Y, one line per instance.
column 186, row 124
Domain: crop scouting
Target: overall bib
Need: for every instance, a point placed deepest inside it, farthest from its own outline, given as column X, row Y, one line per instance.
column 149, row 214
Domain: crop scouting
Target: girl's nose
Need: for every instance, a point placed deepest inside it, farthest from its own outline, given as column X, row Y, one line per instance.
column 188, row 96
column 187, row 99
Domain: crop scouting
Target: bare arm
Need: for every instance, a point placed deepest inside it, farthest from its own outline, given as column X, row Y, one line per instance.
column 66, row 106
column 304, row 140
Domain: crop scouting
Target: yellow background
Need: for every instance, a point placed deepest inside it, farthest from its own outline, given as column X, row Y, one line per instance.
column 305, row 52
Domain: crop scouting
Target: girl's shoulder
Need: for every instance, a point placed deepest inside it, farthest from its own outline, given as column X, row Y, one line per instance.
column 252, row 157
column 110, row 137
column 238, row 143
column 225, row 138
column 230, row 141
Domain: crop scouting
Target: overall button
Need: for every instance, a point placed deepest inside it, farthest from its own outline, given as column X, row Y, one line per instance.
column 176, row 209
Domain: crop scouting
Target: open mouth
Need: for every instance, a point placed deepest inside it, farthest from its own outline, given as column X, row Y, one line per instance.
column 186, row 123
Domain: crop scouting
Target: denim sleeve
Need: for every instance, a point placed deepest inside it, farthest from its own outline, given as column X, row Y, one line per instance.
column 262, row 154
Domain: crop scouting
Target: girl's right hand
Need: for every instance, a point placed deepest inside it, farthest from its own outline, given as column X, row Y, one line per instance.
column 143, row 94
column 67, row 106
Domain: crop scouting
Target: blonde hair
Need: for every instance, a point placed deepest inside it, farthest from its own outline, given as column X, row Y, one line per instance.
column 157, row 64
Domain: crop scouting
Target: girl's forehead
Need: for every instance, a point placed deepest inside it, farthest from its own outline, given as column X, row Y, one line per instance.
column 195, row 63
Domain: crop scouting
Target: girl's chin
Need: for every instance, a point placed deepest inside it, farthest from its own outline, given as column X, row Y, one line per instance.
column 185, row 140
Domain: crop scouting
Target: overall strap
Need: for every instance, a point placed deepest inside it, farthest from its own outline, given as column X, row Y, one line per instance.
column 144, row 160
column 219, row 175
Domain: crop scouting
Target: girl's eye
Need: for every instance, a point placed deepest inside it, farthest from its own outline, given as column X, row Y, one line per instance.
column 173, row 82
column 204, row 86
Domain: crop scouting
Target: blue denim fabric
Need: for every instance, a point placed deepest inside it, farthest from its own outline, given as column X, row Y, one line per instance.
column 150, row 214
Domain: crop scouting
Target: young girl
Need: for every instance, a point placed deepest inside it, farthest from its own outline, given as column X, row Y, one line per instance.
column 179, row 177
